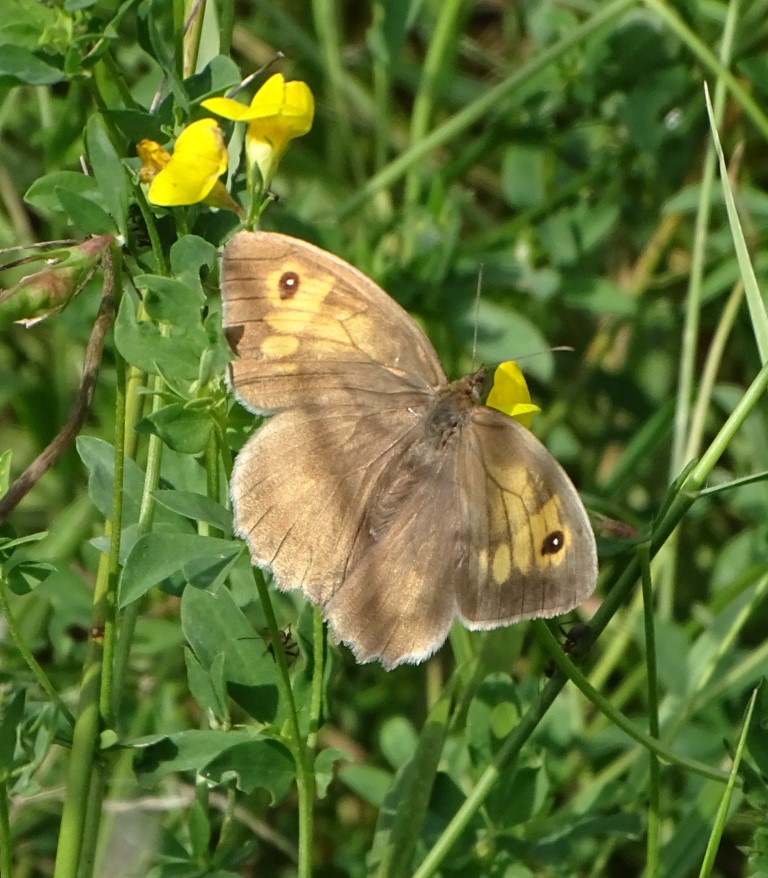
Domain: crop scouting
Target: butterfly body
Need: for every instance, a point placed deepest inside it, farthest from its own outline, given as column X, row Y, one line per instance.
column 392, row 498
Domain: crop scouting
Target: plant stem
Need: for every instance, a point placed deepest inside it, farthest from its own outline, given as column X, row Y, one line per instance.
column 6, row 861
column 652, row 843
column 305, row 778
column 441, row 46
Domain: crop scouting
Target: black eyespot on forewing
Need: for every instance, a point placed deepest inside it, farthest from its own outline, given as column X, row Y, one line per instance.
column 288, row 285
column 554, row 542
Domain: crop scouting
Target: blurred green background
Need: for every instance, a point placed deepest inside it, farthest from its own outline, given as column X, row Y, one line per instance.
column 560, row 151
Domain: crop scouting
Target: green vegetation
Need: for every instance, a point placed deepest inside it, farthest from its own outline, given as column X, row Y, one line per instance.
column 163, row 710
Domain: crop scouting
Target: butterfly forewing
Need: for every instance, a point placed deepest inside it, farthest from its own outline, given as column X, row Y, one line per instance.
column 308, row 328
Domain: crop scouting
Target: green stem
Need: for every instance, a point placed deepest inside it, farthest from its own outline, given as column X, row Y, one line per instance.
column 305, row 779
column 6, row 861
column 129, row 616
column 81, row 762
column 80, row 817
column 382, row 94
column 489, row 102
column 652, row 843
column 226, row 25
column 440, row 49
column 708, row 863
column 690, row 338
column 114, row 529
column 318, row 672
column 711, row 369
column 327, row 16
column 194, row 13
column 617, row 718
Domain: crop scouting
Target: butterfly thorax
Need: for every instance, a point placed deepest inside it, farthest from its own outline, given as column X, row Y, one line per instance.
column 451, row 409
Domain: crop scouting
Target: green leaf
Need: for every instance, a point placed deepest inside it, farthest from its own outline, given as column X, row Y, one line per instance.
column 207, row 684
column 143, row 344
column 172, row 301
column 98, row 458
column 189, row 256
column 136, row 125
column 192, row 750
column 183, row 429
column 23, row 576
column 19, row 66
column 368, row 781
column 600, row 296
column 324, row 768
column 523, row 175
column 85, row 214
column 214, row 624
column 259, row 763
column 398, row 741
column 404, row 809
column 198, row 507
column 219, row 75
column 157, row 557
column 11, row 715
column 503, row 335
column 493, row 713
column 199, row 830
column 44, row 192
column 108, row 170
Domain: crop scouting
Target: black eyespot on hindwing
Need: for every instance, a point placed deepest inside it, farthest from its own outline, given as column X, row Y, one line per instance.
column 288, row 285
column 554, row 542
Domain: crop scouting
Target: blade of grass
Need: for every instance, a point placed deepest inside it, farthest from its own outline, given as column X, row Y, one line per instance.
column 654, row 809
column 690, row 339
column 722, row 812
column 755, row 302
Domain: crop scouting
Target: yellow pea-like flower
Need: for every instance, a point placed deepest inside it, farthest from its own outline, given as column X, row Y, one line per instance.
column 191, row 174
column 279, row 112
column 510, row 394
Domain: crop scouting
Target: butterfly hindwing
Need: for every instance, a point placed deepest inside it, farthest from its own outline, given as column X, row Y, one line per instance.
column 397, row 601
column 301, row 488
column 531, row 547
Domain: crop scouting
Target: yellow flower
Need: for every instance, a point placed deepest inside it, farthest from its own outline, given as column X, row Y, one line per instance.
column 279, row 112
column 510, row 394
column 192, row 173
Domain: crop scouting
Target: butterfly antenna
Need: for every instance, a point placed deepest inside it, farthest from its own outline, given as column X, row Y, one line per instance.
column 554, row 350
column 477, row 315
column 249, row 79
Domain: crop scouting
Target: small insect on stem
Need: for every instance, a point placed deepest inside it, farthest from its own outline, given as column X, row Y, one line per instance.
column 574, row 637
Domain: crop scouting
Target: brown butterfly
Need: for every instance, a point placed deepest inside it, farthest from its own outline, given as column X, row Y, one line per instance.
column 391, row 497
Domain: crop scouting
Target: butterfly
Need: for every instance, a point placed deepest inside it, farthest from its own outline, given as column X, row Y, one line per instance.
column 392, row 498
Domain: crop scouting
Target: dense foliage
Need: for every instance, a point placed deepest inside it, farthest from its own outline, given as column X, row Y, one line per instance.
column 163, row 711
